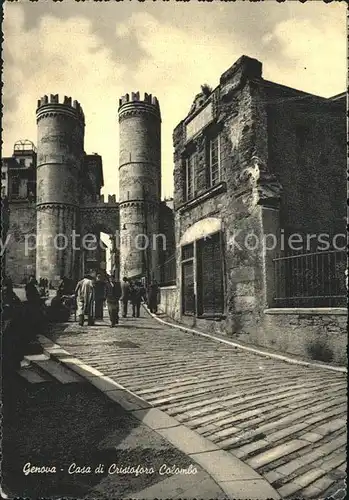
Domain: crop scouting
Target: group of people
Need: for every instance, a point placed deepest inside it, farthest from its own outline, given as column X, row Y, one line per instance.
column 91, row 294
column 21, row 321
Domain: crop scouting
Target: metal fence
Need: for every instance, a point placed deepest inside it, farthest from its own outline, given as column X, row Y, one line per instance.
column 168, row 272
column 311, row 280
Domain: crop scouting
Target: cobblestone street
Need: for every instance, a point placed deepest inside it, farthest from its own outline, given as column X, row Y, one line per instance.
column 288, row 422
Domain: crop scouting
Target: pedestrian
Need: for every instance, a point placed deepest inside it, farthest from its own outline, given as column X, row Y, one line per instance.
column 13, row 329
column 9, row 299
column 99, row 296
column 136, row 298
column 113, row 294
column 32, row 292
column 35, row 310
column 63, row 286
column 125, row 295
column 85, row 292
column 153, row 291
column 59, row 311
column 42, row 288
column 143, row 292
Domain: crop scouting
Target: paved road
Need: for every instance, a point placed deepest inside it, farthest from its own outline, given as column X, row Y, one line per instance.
column 42, row 426
column 286, row 421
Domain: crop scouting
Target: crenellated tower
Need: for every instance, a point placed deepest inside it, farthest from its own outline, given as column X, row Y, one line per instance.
column 139, row 185
column 59, row 161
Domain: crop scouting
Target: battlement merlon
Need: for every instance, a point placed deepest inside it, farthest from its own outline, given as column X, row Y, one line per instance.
column 52, row 101
column 101, row 202
column 148, row 104
column 111, row 199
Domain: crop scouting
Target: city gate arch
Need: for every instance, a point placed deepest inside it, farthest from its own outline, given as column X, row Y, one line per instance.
column 97, row 218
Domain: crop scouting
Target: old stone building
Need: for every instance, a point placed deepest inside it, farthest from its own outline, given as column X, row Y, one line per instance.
column 256, row 163
column 55, row 201
column 21, row 216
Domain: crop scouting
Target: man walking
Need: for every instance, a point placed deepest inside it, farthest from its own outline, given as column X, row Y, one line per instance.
column 153, row 291
column 85, row 300
column 113, row 294
column 125, row 295
column 99, row 297
column 136, row 298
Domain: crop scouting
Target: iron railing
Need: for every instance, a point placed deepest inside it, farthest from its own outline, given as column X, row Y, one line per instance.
column 168, row 272
column 314, row 279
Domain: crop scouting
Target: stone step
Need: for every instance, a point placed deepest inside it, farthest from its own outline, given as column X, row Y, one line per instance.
column 57, row 371
column 32, row 375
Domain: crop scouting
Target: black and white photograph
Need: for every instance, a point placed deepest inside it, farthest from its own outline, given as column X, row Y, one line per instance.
column 174, row 250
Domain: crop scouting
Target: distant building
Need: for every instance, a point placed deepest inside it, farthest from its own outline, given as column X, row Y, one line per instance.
column 95, row 259
column 18, row 172
column 4, row 179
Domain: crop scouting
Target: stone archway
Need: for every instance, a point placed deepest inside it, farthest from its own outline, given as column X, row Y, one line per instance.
column 94, row 221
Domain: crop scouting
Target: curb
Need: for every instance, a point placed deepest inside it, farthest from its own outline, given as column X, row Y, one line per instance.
column 280, row 357
column 235, row 478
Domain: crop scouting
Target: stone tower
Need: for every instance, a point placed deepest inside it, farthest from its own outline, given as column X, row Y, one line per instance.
column 139, row 185
column 59, row 161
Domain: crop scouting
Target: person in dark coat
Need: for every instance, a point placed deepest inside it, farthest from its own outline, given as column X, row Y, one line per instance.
column 9, row 300
column 58, row 310
column 32, row 292
column 153, row 291
column 125, row 295
column 99, row 296
column 113, row 294
column 136, row 299
column 35, row 308
column 65, row 287
column 13, row 328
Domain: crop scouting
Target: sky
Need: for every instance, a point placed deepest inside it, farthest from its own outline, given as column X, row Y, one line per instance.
column 97, row 51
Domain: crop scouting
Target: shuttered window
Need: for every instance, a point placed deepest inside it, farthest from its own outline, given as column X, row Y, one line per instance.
column 188, row 287
column 188, row 296
column 210, row 276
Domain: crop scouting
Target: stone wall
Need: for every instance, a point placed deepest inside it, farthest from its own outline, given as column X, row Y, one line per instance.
column 307, row 147
column 22, row 223
column 168, row 300
column 316, row 334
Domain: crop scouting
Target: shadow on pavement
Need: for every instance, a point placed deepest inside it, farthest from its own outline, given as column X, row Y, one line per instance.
column 56, row 425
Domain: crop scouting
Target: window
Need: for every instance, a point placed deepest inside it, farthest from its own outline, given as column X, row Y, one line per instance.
column 15, row 187
column 210, row 276
column 214, row 161
column 190, row 173
column 22, row 162
column 31, row 188
column 188, row 293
